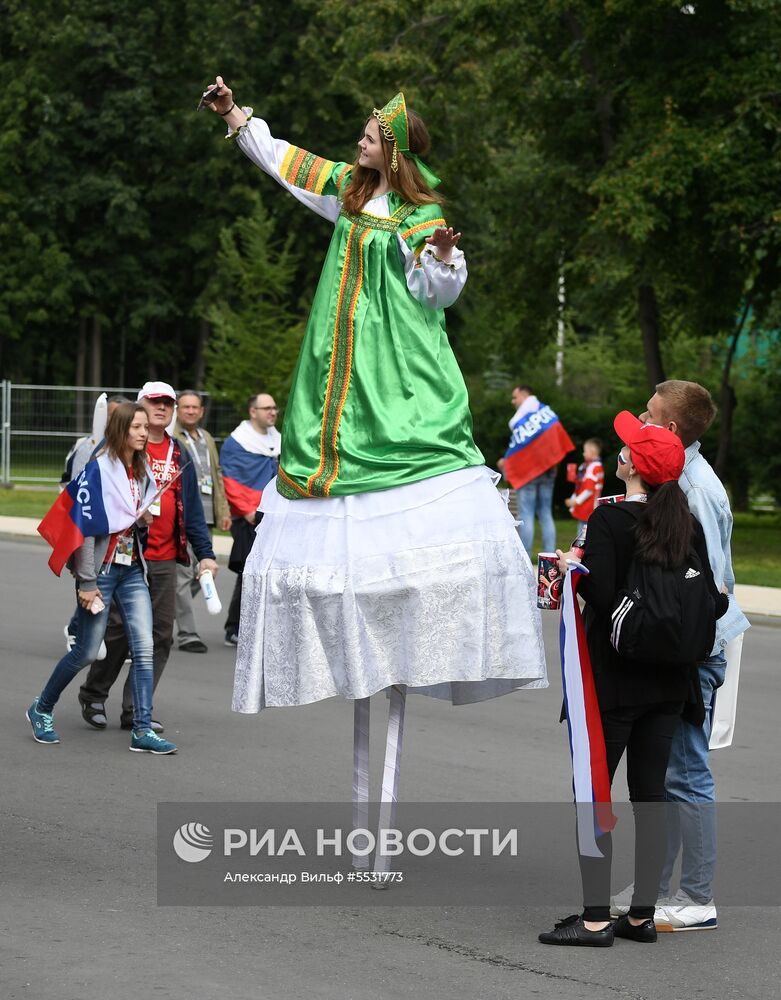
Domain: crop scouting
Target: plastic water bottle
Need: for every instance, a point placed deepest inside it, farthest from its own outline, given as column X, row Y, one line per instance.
column 210, row 595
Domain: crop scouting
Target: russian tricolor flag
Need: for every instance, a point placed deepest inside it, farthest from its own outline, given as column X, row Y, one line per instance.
column 537, row 442
column 97, row 502
column 590, row 780
column 245, row 475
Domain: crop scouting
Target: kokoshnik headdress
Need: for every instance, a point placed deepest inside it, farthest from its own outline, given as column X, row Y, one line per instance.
column 394, row 125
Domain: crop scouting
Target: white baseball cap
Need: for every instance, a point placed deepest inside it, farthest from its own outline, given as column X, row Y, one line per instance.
column 156, row 390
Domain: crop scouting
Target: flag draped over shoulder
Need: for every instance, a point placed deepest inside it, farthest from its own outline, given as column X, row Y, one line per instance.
column 249, row 461
column 590, row 779
column 537, row 442
column 97, row 502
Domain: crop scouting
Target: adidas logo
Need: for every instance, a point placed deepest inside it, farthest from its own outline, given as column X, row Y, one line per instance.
column 691, row 573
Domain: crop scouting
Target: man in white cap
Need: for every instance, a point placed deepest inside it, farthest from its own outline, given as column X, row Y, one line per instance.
column 177, row 519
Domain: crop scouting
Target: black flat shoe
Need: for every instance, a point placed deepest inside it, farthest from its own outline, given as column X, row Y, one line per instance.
column 194, row 645
column 94, row 714
column 645, row 932
column 570, row 931
column 156, row 727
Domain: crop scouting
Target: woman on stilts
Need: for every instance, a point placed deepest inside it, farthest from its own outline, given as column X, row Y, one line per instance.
column 386, row 558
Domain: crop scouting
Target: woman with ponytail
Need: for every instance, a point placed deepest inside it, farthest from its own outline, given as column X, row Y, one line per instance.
column 641, row 704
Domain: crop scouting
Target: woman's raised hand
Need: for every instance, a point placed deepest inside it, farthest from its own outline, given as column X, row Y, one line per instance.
column 443, row 241
column 221, row 104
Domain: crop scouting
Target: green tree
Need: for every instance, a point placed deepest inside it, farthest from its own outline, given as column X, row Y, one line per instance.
column 632, row 148
column 255, row 336
column 116, row 189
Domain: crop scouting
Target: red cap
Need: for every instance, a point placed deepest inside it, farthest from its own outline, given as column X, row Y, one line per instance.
column 657, row 453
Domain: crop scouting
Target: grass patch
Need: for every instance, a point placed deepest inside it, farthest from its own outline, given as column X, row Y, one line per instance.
column 26, row 503
column 35, row 503
column 756, row 540
column 756, row 549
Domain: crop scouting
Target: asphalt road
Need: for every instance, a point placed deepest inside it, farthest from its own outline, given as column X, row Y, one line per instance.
column 78, row 852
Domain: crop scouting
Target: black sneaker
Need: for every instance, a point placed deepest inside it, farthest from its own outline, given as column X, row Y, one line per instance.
column 571, row 931
column 193, row 645
column 156, row 727
column 231, row 638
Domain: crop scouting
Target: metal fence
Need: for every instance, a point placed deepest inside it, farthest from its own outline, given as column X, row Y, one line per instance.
column 41, row 422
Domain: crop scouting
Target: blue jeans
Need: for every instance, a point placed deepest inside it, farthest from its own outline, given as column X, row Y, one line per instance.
column 689, row 782
column 127, row 586
column 536, row 497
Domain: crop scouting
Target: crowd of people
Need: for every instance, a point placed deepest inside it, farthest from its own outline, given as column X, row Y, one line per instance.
column 359, row 542
column 160, row 553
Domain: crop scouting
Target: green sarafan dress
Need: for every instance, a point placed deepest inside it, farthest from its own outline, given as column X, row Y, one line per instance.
column 386, row 556
column 377, row 398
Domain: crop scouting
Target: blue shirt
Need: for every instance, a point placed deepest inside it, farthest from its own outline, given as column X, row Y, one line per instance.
column 709, row 503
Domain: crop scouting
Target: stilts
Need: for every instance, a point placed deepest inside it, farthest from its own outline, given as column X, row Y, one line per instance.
column 390, row 775
column 361, row 777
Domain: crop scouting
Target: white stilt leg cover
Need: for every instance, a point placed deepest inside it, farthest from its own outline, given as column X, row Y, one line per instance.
column 361, row 774
column 391, row 770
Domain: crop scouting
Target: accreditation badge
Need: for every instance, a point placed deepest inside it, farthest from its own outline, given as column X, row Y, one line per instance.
column 206, row 486
column 123, row 553
column 154, row 508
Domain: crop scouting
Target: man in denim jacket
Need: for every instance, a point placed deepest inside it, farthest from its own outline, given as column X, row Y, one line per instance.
column 687, row 409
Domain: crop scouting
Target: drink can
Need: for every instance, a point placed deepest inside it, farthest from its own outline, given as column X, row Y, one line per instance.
column 579, row 544
column 616, row 498
column 548, row 581
column 572, row 472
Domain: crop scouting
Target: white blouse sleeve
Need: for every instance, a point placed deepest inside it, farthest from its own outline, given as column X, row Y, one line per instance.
column 430, row 282
column 270, row 154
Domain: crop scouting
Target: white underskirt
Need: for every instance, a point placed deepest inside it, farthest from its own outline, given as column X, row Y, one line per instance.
column 426, row 585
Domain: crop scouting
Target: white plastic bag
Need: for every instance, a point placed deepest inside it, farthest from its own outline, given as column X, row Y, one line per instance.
column 724, row 709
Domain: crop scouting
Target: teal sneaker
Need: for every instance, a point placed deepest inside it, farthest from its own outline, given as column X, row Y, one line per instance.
column 147, row 741
column 42, row 723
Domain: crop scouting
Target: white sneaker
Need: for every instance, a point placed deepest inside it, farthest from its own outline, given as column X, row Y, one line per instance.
column 681, row 913
column 620, row 903
column 70, row 640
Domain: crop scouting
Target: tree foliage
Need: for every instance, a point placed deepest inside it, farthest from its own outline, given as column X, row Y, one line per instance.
column 632, row 149
column 256, row 337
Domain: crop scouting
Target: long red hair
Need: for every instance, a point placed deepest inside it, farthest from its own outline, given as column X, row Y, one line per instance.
column 407, row 181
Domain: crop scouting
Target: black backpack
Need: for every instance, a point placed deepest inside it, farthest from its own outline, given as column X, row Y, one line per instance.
column 664, row 616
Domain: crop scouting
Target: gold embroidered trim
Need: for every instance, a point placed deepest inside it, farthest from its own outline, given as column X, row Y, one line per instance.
column 232, row 135
column 433, row 224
